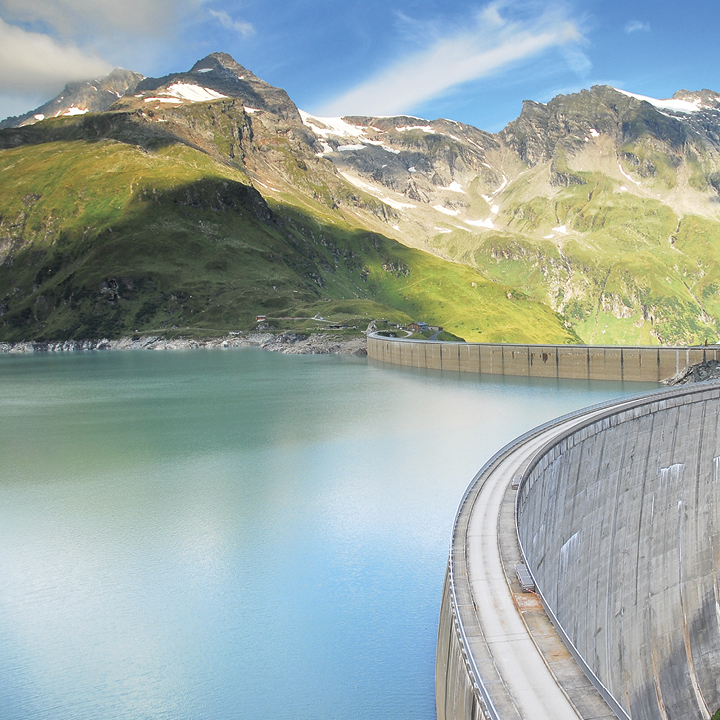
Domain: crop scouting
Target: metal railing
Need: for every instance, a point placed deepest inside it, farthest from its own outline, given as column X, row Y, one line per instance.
column 593, row 414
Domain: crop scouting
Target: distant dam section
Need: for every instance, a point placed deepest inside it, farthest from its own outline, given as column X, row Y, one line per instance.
column 617, row 522
column 578, row 362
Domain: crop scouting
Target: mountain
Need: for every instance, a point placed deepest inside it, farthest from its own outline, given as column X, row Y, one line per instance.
column 79, row 98
column 601, row 204
column 198, row 200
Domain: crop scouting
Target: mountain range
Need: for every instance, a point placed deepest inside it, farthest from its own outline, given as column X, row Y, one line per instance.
column 192, row 203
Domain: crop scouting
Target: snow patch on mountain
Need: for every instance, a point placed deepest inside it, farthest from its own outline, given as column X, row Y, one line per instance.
column 193, row 93
column 71, row 111
column 424, row 128
column 380, row 144
column 446, row 211
column 481, row 223
column 324, row 126
column 625, row 175
column 453, row 187
column 683, row 106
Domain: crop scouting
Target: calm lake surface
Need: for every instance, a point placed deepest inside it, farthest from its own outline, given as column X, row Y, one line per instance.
column 219, row 534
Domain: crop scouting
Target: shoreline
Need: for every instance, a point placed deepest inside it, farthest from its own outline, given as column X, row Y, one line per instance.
column 286, row 343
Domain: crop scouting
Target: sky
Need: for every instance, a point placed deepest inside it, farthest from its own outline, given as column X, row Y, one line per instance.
column 474, row 62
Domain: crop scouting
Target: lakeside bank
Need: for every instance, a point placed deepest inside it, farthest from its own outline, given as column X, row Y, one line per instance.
column 286, row 343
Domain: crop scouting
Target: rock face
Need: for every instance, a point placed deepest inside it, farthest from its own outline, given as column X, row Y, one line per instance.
column 81, row 97
column 701, row 372
column 286, row 343
column 600, row 206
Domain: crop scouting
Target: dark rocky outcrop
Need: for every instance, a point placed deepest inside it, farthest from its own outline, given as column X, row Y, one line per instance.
column 92, row 96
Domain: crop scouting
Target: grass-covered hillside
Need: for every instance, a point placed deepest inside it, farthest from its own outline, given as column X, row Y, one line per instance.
column 204, row 199
column 600, row 205
column 105, row 238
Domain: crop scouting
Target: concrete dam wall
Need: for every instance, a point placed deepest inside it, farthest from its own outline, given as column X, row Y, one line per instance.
column 617, row 518
column 582, row 362
column 620, row 525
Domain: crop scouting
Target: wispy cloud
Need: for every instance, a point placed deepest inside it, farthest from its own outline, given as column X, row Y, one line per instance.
column 75, row 18
column 244, row 29
column 636, row 26
column 491, row 44
column 30, row 60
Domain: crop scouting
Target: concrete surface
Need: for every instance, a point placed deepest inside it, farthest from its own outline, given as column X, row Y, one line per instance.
column 582, row 362
column 620, row 524
column 618, row 517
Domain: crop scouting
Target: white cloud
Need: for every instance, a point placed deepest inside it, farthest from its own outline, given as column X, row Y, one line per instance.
column 72, row 18
column 491, row 44
column 32, row 62
column 244, row 29
column 636, row 26
column 578, row 61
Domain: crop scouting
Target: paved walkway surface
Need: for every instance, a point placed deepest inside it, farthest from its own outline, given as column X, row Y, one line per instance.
column 528, row 675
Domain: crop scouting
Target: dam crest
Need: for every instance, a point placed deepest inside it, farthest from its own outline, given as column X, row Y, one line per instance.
column 615, row 513
column 573, row 362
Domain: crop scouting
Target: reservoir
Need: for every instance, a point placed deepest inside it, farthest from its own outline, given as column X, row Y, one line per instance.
column 217, row 534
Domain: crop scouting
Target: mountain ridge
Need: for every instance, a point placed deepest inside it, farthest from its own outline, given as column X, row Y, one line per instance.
column 592, row 205
column 94, row 95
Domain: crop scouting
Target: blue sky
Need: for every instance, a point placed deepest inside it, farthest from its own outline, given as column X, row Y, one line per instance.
column 473, row 62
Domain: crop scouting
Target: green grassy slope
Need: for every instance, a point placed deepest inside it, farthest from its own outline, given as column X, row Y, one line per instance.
column 627, row 270
column 195, row 218
column 104, row 238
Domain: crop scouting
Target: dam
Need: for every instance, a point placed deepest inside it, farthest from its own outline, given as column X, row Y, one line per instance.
column 574, row 362
column 613, row 514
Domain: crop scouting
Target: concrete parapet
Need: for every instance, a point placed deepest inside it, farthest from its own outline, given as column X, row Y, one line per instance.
column 618, row 521
column 581, row 362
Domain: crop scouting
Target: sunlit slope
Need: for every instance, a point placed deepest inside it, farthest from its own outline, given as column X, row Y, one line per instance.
column 600, row 204
column 108, row 238
column 206, row 198
column 619, row 266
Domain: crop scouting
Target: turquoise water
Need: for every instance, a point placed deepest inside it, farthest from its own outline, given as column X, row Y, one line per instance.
column 235, row 533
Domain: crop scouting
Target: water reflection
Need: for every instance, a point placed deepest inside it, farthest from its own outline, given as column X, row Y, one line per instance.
column 236, row 534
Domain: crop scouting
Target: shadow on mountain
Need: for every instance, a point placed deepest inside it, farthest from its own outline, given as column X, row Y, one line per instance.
column 208, row 255
column 126, row 128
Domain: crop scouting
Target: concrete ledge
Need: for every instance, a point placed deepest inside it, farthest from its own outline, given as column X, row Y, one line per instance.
column 618, row 519
column 580, row 362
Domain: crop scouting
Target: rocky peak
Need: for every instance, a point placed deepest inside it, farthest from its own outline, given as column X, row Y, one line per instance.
column 223, row 63
column 702, row 98
column 220, row 73
column 567, row 122
column 78, row 98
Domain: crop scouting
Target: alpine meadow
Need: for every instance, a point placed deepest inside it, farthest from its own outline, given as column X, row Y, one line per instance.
column 193, row 203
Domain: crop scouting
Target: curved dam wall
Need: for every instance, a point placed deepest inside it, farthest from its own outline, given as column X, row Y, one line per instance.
column 619, row 522
column 582, row 362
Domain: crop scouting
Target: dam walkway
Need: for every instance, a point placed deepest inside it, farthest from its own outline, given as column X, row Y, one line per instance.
column 518, row 665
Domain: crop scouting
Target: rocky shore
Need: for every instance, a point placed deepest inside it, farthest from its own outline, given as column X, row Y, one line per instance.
column 287, row 343
column 701, row 372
